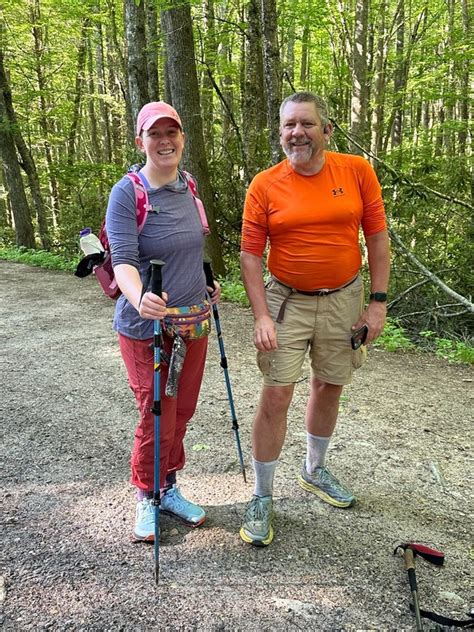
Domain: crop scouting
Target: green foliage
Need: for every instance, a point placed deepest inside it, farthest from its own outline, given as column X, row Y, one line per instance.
column 72, row 102
column 39, row 258
column 86, row 186
column 452, row 350
column 393, row 337
column 234, row 292
column 232, row 288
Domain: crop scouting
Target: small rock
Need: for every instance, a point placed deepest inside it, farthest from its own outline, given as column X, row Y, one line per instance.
column 450, row 596
column 3, row 589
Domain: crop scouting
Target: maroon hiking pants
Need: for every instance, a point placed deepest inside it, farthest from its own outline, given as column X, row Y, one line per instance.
column 175, row 412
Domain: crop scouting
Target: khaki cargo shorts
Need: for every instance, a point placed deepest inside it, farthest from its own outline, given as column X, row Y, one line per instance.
column 318, row 324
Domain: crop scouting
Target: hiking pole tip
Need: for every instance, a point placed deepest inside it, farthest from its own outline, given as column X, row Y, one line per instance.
column 239, row 448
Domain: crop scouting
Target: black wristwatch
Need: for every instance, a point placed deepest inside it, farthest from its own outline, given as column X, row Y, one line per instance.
column 378, row 297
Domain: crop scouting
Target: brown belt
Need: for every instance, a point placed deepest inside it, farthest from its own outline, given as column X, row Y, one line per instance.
column 322, row 292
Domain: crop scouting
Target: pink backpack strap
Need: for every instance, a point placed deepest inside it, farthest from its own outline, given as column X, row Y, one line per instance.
column 141, row 199
column 198, row 202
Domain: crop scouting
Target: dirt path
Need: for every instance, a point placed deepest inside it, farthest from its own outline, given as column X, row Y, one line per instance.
column 402, row 442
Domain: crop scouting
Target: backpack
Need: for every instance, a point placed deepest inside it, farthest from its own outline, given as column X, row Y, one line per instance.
column 101, row 263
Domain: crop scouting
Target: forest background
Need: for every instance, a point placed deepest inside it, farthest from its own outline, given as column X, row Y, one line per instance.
column 395, row 73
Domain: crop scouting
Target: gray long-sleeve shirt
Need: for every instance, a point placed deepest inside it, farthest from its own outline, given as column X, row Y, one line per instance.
column 172, row 232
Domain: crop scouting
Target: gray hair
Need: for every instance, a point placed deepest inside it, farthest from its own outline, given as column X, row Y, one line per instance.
column 308, row 97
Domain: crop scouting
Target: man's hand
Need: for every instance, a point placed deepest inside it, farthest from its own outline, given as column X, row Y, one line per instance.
column 264, row 334
column 374, row 317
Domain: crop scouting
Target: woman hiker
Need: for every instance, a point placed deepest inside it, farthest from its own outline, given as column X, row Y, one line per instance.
column 173, row 232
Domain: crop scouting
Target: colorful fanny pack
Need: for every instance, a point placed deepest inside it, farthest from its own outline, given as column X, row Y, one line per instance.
column 188, row 322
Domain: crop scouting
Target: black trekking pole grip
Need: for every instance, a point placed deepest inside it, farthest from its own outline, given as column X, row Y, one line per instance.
column 156, row 279
column 209, row 275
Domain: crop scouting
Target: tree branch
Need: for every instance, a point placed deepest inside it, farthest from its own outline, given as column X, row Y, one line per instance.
column 430, row 275
column 232, row 120
column 435, row 309
column 403, row 179
column 405, row 292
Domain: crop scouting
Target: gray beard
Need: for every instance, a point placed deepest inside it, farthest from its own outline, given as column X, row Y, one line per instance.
column 300, row 157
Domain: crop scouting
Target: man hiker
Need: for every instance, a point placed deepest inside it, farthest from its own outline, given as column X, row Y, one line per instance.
column 309, row 208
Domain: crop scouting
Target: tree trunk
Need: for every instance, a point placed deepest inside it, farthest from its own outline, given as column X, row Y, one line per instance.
column 80, row 79
column 379, row 90
column 439, row 131
column 177, row 29
column 21, row 212
column 271, row 65
column 304, row 66
column 166, row 78
column 152, row 49
column 359, row 75
column 5, row 215
column 450, row 87
column 118, row 88
column 26, row 158
column 226, row 80
column 209, row 55
column 43, row 118
column 398, row 82
column 102, row 91
column 290, row 54
column 346, row 47
column 96, row 146
column 137, row 70
column 253, row 103
column 464, row 100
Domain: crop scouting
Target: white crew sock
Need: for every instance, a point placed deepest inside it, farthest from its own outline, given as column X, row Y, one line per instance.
column 264, row 473
column 316, row 449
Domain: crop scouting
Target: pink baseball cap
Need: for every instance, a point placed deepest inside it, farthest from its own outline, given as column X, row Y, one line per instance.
column 152, row 112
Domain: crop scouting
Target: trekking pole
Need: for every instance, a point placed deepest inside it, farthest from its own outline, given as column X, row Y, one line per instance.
column 410, row 551
column 235, row 425
column 156, row 288
column 409, row 559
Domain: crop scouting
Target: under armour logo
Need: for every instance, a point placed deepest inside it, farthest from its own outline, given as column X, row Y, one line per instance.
column 339, row 191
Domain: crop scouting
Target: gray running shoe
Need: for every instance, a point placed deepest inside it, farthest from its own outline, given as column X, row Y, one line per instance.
column 144, row 521
column 174, row 504
column 322, row 483
column 257, row 527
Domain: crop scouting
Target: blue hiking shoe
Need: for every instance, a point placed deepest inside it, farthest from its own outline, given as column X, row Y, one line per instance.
column 175, row 505
column 325, row 485
column 257, row 527
column 145, row 521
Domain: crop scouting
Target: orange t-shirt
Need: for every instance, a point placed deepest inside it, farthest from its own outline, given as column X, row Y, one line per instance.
column 312, row 222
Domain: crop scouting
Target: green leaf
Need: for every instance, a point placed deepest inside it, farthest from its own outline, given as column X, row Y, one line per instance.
column 197, row 447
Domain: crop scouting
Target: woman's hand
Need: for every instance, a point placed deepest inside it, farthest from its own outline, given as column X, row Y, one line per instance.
column 153, row 306
column 214, row 293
